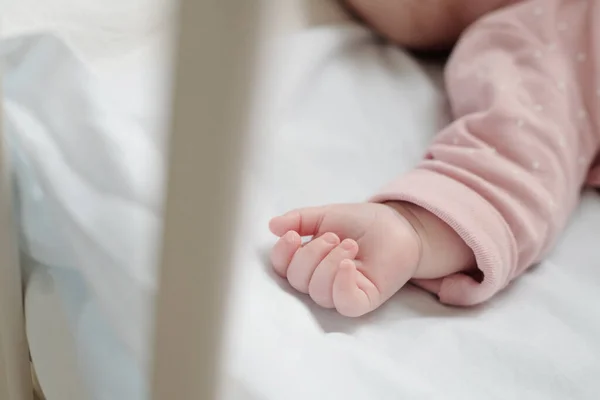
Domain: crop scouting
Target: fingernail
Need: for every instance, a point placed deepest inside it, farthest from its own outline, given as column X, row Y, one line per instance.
column 290, row 237
column 348, row 244
column 331, row 238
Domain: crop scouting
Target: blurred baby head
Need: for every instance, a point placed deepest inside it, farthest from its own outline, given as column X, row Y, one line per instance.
column 423, row 24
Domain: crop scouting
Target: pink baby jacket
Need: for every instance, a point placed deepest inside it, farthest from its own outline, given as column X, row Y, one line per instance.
column 523, row 85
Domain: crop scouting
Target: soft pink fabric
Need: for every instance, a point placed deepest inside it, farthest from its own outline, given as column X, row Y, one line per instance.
column 507, row 173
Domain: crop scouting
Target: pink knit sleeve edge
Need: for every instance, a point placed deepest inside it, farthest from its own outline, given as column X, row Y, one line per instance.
column 474, row 219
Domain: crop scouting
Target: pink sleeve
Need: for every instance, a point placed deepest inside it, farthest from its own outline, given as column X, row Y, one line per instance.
column 508, row 172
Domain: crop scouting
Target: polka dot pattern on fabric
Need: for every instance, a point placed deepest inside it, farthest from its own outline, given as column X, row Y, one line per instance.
column 524, row 88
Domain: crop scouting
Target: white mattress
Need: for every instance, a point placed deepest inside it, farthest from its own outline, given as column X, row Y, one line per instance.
column 344, row 114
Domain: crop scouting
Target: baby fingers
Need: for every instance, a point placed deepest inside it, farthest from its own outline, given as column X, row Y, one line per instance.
column 307, row 258
column 284, row 251
column 305, row 221
column 353, row 294
column 320, row 288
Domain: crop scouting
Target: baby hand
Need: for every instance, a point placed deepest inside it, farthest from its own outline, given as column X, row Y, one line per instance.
column 359, row 255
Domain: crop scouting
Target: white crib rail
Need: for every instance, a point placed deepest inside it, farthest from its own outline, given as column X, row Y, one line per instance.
column 15, row 377
column 216, row 43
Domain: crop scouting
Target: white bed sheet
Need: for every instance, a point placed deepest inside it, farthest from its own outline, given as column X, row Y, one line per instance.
column 349, row 115
column 345, row 116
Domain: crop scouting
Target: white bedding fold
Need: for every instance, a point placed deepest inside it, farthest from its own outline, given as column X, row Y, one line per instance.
column 88, row 178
